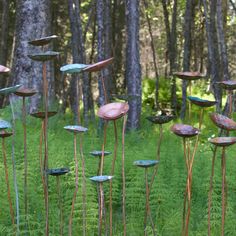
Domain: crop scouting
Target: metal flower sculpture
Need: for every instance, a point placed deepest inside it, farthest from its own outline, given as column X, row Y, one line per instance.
column 146, row 164
column 112, row 112
column 57, row 173
column 100, row 180
column 75, row 129
column 223, row 142
column 186, row 132
column 25, row 92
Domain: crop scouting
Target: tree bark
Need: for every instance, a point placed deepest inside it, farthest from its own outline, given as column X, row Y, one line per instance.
column 33, row 20
column 133, row 68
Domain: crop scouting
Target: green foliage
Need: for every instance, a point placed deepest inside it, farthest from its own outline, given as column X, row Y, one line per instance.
column 166, row 198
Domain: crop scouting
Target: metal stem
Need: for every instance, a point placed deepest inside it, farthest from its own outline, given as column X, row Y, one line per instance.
column 76, row 186
column 112, row 173
column 60, row 204
column 103, row 147
column 223, row 190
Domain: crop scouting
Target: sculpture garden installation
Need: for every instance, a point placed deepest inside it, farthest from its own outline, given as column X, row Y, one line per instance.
column 186, row 132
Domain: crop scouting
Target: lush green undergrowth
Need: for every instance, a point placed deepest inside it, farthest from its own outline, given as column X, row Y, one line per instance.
column 166, row 198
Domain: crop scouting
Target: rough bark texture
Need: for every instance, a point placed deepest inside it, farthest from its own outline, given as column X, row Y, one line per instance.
column 187, row 51
column 33, row 21
column 133, row 68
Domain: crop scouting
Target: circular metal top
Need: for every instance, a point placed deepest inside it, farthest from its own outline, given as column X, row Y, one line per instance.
column 223, row 122
column 43, row 56
column 99, row 153
column 41, row 114
column 58, row 171
column 73, row 68
column 146, row 163
column 189, row 75
column 5, row 134
column 98, row 66
column 101, row 178
column 75, row 128
column 228, row 84
column 6, row 91
column 201, row 102
column 113, row 111
column 4, row 125
column 43, row 41
column 25, row 92
column 184, row 131
column 161, row 119
column 223, row 141
column 4, row 69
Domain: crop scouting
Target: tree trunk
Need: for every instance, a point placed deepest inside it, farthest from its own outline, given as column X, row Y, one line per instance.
column 33, row 20
column 133, row 68
column 187, row 51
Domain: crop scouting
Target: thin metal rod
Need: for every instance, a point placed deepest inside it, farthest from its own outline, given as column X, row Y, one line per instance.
column 7, row 183
column 103, row 146
column 112, row 173
column 230, row 103
column 123, row 176
column 25, row 161
column 76, row 186
column 223, row 190
column 190, row 93
column 45, row 96
column 14, row 169
column 104, row 89
column 83, row 185
column 60, row 204
column 210, row 191
column 101, row 201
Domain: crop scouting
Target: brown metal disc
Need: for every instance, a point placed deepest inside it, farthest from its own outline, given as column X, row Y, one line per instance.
column 98, row 66
column 41, row 114
column 223, row 122
column 5, row 134
column 228, row 84
column 185, row 131
column 189, row 75
column 223, row 141
column 43, row 41
column 25, row 92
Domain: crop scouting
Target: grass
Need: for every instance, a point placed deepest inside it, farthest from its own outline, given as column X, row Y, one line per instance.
column 166, row 198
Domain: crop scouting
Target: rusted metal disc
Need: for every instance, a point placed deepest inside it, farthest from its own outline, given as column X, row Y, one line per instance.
column 113, row 111
column 223, row 122
column 185, row 131
column 43, row 41
column 41, row 114
column 146, row 163
column 223, row 141
column 189, row 75
column 228, row 84
column 98, row 66
column 4, row 69
column 201, row 102
column 161, row 119
column 5, row 134
column 25, row 92
column 75, row 128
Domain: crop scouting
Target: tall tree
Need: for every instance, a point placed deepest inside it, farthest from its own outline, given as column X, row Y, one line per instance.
column 33, row 20
column 133, row 68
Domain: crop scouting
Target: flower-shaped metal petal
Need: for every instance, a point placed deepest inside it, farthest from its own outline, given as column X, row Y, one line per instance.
column 223, row 141
column 41, row 114
column 4, row 69
column 43, row 41
column 58, row 171
column 99, row 153
column 228, row 84
column 223, row 122
column 25, row 92
column 101, row 178
column 189, row 75
column 6, row 91
column 75, row 128
column 113, row 111
column 5, row 134
column 98, row 66
column 161, row 119
column 185, row 131
column 201, row 102
column 4, row 124
column 146, row 163
column 73, row 68
column 43, row 56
